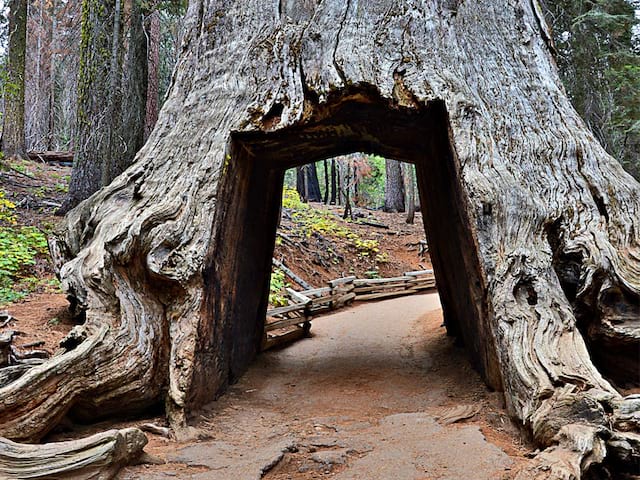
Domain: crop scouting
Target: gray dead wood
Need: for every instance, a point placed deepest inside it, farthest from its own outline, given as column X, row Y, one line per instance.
column 98, row 457
column 534, row 230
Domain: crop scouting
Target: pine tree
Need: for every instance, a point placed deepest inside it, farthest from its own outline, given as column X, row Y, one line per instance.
column 601, row 71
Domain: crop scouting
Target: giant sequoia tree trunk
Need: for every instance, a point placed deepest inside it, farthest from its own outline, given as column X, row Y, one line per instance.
column 534, row 230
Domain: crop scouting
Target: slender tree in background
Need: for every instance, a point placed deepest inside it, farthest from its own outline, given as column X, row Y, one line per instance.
column 333, row 198
column 13, row 136
column 601, row 70
column 153, row 65
column 409, row 182
column 52, row 77
column 325, row 164
column 394, row 187
column 111, row 95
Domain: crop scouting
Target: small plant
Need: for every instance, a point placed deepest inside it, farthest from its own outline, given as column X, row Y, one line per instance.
column 382, row 257
column 19, row 248
column 39, row 192
column 7, row 213
column 372, row 274
column 62, row 187
column 22, row 168
column 277, row 296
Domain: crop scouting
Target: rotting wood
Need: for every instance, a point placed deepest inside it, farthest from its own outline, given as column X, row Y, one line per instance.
column 51, row 156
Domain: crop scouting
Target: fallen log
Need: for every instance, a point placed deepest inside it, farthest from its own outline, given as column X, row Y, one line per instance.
column 98, row 457
column 291, row 275
column 373, row 224
column 51, row 156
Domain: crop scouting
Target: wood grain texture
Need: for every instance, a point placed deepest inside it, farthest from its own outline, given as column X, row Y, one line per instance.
column 98, row 457
column 534, row 228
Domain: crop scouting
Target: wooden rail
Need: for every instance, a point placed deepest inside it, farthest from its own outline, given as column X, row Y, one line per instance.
column 289, row 323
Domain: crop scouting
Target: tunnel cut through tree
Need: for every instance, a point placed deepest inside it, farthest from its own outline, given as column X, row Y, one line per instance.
column 534, row 227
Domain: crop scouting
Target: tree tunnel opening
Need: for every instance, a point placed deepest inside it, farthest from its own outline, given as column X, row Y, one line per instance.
column 360, row 121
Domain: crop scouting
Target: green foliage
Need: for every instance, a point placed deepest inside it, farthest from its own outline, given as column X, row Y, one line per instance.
column 19, row 248
column 22, row 166
column 310, row 220
column 7, row 213
column 371, row 185
column 600, row 69
column 277, row 287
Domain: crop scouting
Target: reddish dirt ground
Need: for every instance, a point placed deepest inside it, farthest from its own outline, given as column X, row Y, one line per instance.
column 368, row 396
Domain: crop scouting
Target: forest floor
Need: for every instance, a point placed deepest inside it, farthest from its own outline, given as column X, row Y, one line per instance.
column 378, row 392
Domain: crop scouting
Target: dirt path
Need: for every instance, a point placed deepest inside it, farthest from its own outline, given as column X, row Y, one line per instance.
column 368, row 397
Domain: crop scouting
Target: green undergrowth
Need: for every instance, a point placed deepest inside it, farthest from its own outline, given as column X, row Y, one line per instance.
column 277, row 293
column 20, row 248
column 311, row 220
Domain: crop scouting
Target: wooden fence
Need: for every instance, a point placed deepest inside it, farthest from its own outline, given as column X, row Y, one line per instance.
column 285, row 324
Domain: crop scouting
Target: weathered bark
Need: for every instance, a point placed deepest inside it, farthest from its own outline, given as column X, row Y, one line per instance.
column 98, row 457
column 534, row 230
column 393, row 187
column 13, row 139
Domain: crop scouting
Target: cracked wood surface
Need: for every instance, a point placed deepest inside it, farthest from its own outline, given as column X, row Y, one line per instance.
column 552, row 256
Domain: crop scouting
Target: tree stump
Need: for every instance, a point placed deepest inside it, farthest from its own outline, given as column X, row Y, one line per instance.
column 534, row 229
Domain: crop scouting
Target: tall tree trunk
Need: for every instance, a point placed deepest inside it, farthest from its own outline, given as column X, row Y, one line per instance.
column 153, row 70
column 334, row 187
column 301, row 182
column 340, row 177
column 113, row 67
column 13, row 138
column 534, row 229
column 346, row 186
column 313, row 189
column 52, row 78
column 134, row 76
column 393, row 187
column 326, row 182
column 307, row 183
column 108, row 162
column 407, row 170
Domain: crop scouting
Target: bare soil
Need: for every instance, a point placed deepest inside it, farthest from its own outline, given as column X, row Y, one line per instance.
column 319, row 258
column 374, row 394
